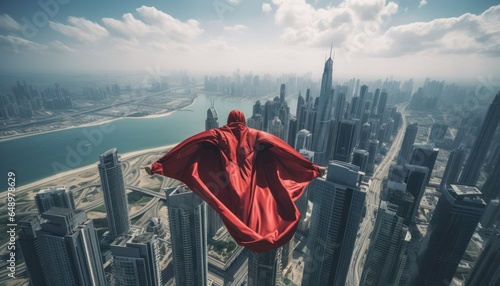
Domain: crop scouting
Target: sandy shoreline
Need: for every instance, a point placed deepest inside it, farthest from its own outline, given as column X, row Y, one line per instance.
column 97, row 123
column 88, row 167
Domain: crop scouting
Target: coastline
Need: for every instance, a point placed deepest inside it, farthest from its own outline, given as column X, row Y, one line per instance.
column 97, row 123
column 85, row 168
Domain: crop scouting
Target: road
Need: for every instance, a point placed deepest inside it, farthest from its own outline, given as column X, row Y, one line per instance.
column 372, row 202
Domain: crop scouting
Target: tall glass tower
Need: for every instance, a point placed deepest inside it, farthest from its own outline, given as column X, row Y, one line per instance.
column 407, row 145
column 188, row 234
column 338, row 202
column 212, row 120
column 486, row 271
column 264, row 268
column 214, row 222
column 113, row 188
column 70, row 248
column 454, row 220
column 323, row 125
column 388, row 237
column 472, row 167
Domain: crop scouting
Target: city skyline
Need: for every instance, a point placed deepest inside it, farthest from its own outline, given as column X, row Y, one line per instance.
column 456, row 38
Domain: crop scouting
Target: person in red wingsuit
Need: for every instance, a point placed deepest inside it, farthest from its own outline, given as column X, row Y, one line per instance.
column 251, row 178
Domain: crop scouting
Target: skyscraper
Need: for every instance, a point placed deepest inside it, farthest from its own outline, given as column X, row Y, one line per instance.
column 437, row 132
column 453, row 166
column 70, row 248
column 381, row 105
column 486, row 271
column 188, row 234
column 475, row 161
column 303, row 140
column 424, row 155
column 416, row 178
column 292, row 130
column 214, row 222
column 372, row 155
column 364, row 136
column 322, row 128
column 264, row 268
column 450, row 230
column 113, row 188
column 338, row 205
column 388, row 235
column 407, row 145
column 491, row 188
column 212, row 120
column 345, row 140
column 54, row 197
column 31, row 249
column 360, row 159
column 491, row 215
column 136, row 260
column 277, row 128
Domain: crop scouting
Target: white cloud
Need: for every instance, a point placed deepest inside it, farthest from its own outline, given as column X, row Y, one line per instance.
column 17, row 44
column 266, row 7
column 170, row 26
column 235, row 28
column 422, row 3
column 305, row 25
column 60, row 47
column 9, row 24
column 219, row 45
column 150, row 28
column 81, row 29
column 467, row 34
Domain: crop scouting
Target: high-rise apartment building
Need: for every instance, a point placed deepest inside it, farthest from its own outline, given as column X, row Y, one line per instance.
column 303, row 140
column 264, row 268
column 30, row 249
column 212, row 120
column 214, row 222
column 136, row 260
column 338, row 205
column 188, row 234
column 415, row 179
column 453, row 166
column 475, row 161
column 345, row 140
column 486, row 271
column 388, row 235
column 407, row 145
column 113, row 189
column 454, row 221
column 54, row 197
column 69, row 248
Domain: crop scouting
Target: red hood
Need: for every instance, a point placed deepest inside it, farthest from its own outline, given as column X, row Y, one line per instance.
column 236, row 116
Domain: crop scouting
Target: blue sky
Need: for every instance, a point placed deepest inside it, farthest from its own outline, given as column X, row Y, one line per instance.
column 371, row 38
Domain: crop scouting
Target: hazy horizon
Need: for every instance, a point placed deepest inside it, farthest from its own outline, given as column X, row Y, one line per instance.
column 444, row 40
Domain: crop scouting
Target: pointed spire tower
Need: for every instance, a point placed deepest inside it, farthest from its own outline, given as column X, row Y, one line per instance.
column 324, row 115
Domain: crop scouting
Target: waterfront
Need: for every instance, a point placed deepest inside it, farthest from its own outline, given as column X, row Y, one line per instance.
column 35, row 157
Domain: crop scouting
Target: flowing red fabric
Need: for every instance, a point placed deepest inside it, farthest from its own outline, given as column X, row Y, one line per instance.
column 251, row 178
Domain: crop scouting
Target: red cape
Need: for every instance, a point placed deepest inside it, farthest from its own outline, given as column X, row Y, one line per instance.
column 251, row 178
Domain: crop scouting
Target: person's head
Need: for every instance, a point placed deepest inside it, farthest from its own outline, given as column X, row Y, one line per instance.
column 235, row 117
